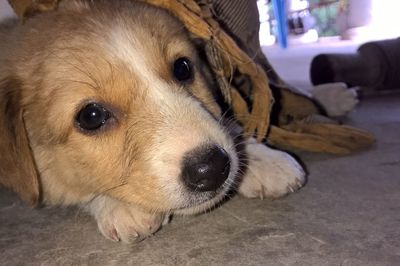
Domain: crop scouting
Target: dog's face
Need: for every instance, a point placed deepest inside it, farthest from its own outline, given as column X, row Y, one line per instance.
column 114, row 102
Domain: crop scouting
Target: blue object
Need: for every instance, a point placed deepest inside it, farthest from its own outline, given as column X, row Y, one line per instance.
column 280, row 15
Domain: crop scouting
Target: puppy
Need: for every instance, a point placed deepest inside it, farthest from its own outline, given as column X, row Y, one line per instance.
column 104, row 104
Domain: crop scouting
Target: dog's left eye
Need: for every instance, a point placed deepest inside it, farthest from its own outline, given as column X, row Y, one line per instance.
column 92, row 116
column 183, row 69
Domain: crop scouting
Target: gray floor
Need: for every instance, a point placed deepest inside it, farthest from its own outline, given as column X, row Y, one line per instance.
column 293, row 64
column 348, row 214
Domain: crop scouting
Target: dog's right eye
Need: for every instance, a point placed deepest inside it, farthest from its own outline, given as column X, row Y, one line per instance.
column 92, row 117
column 182, row 69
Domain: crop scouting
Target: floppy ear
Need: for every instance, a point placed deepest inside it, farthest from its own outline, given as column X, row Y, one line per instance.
column 17, row 168
column 27, row 8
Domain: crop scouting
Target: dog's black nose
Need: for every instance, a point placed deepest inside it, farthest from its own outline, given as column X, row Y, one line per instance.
column 206, row 169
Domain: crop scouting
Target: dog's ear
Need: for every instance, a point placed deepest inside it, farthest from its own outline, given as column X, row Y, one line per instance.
column 28, row 8
column 17, row 168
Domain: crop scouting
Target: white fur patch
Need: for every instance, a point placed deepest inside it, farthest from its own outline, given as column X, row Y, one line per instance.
column 186, row 125
column 124, row 222
column 336, row 98
column 271, row 173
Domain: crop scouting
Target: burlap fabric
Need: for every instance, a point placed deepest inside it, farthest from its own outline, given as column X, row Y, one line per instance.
column 240, row 18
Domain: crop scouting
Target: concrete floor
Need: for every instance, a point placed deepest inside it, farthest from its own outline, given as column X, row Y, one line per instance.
column 293, row 64
column 347, row 214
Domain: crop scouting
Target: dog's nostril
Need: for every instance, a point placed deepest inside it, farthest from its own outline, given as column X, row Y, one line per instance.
column 206, row 169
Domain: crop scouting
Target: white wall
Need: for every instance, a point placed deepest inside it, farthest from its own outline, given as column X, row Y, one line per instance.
column 372, row 19
column 5, row 10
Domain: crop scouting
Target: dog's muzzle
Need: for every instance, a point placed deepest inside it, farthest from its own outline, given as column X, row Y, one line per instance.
column 206, row 168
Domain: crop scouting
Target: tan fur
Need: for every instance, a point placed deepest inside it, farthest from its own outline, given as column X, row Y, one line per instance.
column 18, row 169
column 117, row 53
column 77, row 61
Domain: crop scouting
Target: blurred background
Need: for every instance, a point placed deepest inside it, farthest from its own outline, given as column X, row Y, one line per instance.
column 315, row 20
column 322, row 26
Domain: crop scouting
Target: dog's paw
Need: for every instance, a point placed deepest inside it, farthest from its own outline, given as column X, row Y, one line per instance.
column 270, row 173
column 336, row 98
column 128, row 223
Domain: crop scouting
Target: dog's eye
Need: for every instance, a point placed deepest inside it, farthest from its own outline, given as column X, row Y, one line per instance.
column 183, row 69
column 92, row 116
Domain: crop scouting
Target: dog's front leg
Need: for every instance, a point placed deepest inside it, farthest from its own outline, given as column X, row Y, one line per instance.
column 119, row 221
column 270, row 173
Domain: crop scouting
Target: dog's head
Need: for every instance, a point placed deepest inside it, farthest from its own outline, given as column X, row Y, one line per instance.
column 108, row 97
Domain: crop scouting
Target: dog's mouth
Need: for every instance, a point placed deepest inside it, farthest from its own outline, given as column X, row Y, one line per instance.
column 206, row 201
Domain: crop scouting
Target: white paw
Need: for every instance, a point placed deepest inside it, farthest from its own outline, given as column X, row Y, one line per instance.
column 271, row 173
column 336, row 98
column 119, row 221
